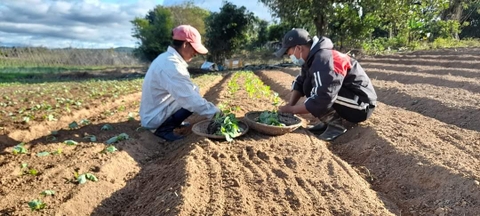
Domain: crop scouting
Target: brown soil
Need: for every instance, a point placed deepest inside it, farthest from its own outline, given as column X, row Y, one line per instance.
column 417, row 155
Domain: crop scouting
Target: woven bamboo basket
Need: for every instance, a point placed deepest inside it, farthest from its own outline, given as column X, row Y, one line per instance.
column 251, row 120
column 200, row 129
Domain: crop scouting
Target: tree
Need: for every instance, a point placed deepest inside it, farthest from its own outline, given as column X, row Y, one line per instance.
column 227, row 31
column 154, row 32
column 302, row 13
column 472, row 21
column 188, row 13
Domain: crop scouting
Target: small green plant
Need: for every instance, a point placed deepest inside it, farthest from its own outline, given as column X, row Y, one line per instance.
column 36, row 205
column 109, row 149
column 84, row 122
column 48, row 193
column 120, row 137
column 73, row 125
column 82, row 179
column 70, row 142
column 43, row 154
column 58, row 151
column 106, row 127
column 19, row 149
column 92, row 138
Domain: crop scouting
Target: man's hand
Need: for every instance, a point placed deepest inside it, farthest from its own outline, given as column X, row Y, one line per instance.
column 286, row 109
column 297, row 109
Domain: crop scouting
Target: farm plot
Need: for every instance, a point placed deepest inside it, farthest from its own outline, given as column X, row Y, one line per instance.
column 417, row 155
column 256, row 174
column 77, row 158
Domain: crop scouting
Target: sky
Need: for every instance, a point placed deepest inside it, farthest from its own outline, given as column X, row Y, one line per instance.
column 86, row 23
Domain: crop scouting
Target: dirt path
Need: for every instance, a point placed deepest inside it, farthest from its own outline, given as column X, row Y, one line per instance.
column 421, row 69
column 421, row 164
column 426, row 62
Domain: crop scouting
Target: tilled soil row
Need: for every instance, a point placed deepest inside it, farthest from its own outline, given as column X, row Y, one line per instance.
column 419, row 163
column 420, row 69
column 292, row 174
column 425, row 62
column 57, row 171
column 460, row 56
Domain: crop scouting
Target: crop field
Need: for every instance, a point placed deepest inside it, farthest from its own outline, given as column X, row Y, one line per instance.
column 75, row 147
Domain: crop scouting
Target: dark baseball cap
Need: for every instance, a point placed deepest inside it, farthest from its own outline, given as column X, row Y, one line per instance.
column 294, row 37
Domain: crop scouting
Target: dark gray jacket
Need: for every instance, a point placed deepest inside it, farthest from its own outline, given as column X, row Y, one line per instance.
column 327, row 72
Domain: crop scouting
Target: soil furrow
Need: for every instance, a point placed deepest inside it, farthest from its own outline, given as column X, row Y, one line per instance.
column 450, row 97
column 468, row 84
column 468, row 73
column 425, row 62
column 460, row 57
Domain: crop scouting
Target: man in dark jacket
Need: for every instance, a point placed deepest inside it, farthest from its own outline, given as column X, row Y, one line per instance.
column 333, row 82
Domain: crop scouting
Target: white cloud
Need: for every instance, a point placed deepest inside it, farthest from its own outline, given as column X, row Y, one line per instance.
column 84, row 23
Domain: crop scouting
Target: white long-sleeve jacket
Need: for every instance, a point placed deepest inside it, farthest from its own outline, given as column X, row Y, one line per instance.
column 167, row 88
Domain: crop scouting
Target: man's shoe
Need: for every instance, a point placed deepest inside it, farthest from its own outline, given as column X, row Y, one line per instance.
column 169, row 136
column 166, row 132
column 184, row 124
column 332, row 132
column 318, row 128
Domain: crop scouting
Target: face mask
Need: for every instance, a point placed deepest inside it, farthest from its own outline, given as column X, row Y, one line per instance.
column 296, row 61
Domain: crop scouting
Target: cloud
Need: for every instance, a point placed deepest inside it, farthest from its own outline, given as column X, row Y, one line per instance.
column 85, row 23
column 259, row 9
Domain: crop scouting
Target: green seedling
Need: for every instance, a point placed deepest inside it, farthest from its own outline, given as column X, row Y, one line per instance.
column 109, row 149
column 19, row 149
column 92, row 138
column 131, row 116
column 70, row 142
column 43, row 154
column 82, row 179
column 33, row 172
column 24, row 165
column 58, row 151
column 84, row 122
column 106, row 127
column 73, row 125
column 36, row 205
column 120, row 137
column 48, row 193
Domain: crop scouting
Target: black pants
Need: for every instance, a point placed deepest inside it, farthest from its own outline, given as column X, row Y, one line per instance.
column 347, row 106
column 353, row 115
column 173, row 121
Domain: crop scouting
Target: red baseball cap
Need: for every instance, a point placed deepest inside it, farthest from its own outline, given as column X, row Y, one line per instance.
column 190, row 34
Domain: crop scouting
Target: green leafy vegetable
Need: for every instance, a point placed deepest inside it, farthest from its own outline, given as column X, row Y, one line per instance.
column 47, row 193
column 109, row 149
column 92, row 138
column 120, row 137
column 36, row 205
column 70, row 142
column 73, row 125
column 107, row 127
column 82, row 179
column 24, row 165
column 84, row 122
column 270, row 118
column 43, row 154
column 226, row 125
column 19, row 149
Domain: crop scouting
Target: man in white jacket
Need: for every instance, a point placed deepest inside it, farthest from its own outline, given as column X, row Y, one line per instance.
column 168, row 94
